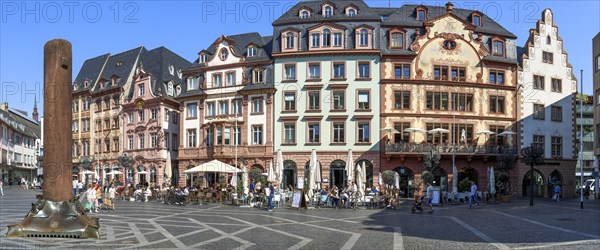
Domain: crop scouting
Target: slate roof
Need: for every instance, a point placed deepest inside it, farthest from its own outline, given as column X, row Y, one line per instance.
column 241, row 42
column 520, row 52
column 500, row 59
column 90, row 70
column 120, row 65
column 157, row 62
column 292, row 15
column 405, row 16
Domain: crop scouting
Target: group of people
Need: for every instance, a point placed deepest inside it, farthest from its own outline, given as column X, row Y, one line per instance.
column 257, row 194
column 92, row 197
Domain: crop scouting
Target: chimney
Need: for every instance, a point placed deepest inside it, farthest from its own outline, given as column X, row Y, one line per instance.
column 449, row 7
column 4, row 106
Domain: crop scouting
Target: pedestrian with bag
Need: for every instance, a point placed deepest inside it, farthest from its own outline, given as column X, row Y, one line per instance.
column 473, row 195
column 429, row 194
column 556, row 193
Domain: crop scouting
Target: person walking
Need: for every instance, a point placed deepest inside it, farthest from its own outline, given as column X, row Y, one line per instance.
column 271, row 191
column 111, row 195
column 79, row 187
column 556, row 191
column 75, row 182
column 473, row 195
column 429, row 196
column 91, row 197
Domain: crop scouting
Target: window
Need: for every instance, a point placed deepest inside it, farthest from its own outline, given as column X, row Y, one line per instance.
column 449, row 45
column 107, row 103
column 364, row 37
column 440, row 72
column 556, row 147
column 314, row 100
column 338, row 132
column 153, row 113
column 75, row 106
column 219, row 140
column 437, row 101
column 421, row 15
column 210, row 109
column 328, row 11
column 315, row 40
column 339, row 70
column 476, row 20
column 547, row 57
column 217, row 81
column 204, row 58
column 539, row 112
column 237, row 136
column 556, row 85
column 402, row 71
column 175, row 117
column 314, row 133
column 326, row 38
column 236, row 106
column 192, row 109
column 289, row 133
column 257, row 105
column 141, row 89
column 251, row 51
column 230, row 79
column 338, row 100
column 497, row 104
column 351, row 13
column 363, row 100
column 462, row 102
column 175, row 141
column 224, row 107
column 314, row 70
column 153, row 140
column 106, row 145
column 556, row 113
column 257, row 137
column 142, row 141
column 402, row 99
column 115, row 122
column 363, row 132
column 167, row 113
column 364, row 70
column 397, row 40
column 598, row 97
column 227, row 137
column 538, row 142
column 498, row 48
column 290, row 72
column 224, row 54
column 538, row 82
column 258, row 76
column 438, row 138
column 289, row 40
column 498, row 140
column 141, row 115
column 289, row 99
column 403, row 136
column 167, row 135
column 192, row 83
column 115, row 101
column 337, row 39
column 209, row 137
column 304, row 14
column 548, row 39
column 496, row 77
column 597, row 62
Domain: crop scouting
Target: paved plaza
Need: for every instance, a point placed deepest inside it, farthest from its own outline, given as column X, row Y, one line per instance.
column 547, row 225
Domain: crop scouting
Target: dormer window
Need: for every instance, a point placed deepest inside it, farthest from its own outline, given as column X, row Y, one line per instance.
column 141, row 89
column 497, row 47
column 449, row 45
column 204, row 58
column 86, row 83
column 258, row 76
column 351, row 12
column 476, row 20
column 326, row 38
column 192, row 83
column 289, row 40
column 364, row 37
column 224, row 54
column 421, row 15
column 251, row 51
column 113, row 81
column 328, row 11
column 304, row 14
column 396, row 38
column 171, row 70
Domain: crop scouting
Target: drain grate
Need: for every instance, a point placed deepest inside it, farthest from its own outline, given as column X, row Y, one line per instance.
column 53, row 235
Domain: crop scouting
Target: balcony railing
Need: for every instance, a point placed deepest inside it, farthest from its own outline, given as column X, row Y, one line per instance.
column 416, row 148
column 227, row 151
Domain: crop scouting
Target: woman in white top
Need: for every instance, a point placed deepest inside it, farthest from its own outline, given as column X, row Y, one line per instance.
column 91, row 196
column 111, row 195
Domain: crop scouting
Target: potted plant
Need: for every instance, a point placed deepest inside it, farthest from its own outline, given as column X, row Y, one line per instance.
column 416, row 187
column 503, row 180
column 388, row 177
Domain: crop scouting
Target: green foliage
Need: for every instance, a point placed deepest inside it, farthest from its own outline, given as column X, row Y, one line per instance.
column 427, row 177
column 464, row 185
column 505, row 161
column 431, row 161
column 240, row 187
column 503, row 179
column 256, row 175
column 388, row 177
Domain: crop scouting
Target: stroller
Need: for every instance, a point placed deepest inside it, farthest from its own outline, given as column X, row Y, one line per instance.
column 418, row 205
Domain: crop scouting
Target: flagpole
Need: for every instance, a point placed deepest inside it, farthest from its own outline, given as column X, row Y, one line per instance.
column 581, row 139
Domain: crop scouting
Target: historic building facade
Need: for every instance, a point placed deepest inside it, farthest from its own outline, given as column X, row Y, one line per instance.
column 151, row 116
column 326, row 60
column 596, row 82
column 452, row 71
column 227, row 105
column 547, row 110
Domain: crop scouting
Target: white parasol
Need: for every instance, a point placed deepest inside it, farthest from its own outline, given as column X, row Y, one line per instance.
column 454, row 180
column 492, row 181
column 245, row 179
column 396, row 180
column 486, row 133
column 380, row 179
column 168, row 168
column 233, row 180
column 271, row 174
column 350, row 167
column 311, row 174
column 279, row 167
column 359, row 184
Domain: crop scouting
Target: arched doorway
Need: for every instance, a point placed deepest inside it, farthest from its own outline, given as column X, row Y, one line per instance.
column 555, row 179
column 289, row 173
column 440, row 178
column 538, row 184
column 467, row 173
column 406, row 179
column 337, row 174
column 369, row 171
column 307, row 173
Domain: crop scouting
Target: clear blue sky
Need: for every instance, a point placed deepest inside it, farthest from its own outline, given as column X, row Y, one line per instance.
column 186, row 27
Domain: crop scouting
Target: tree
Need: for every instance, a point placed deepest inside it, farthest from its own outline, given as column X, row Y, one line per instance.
column 427, row 177
column 388, row 177
column 86, row 163
column 431, row 160
column 505, row 162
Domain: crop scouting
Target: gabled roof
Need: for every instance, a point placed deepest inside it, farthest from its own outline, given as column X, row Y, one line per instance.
column 405, row 16
column 291, row 16
column 121, row 65
column 240, row 43
column 90, row 71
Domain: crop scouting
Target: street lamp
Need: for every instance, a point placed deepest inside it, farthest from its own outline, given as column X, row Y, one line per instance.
column 532, row 156
column 125, row 161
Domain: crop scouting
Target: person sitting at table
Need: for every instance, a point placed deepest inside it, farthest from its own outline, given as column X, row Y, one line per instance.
column 344, row 198
column 147, row 194
column 335, row 196
column 138, row 194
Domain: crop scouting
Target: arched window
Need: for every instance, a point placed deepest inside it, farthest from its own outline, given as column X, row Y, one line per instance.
column 337, row 174
column 289, row 40
column 304, row 14
column 498, row 48
column 449, row 45
column 289, row 173
column 326, row 38
column 351, row 13
column 476, row 20
column 364, row 37
column 224, row 54
column 328, row 11
column 548, row 40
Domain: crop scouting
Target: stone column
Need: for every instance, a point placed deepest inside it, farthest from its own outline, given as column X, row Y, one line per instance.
column 57, row 112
